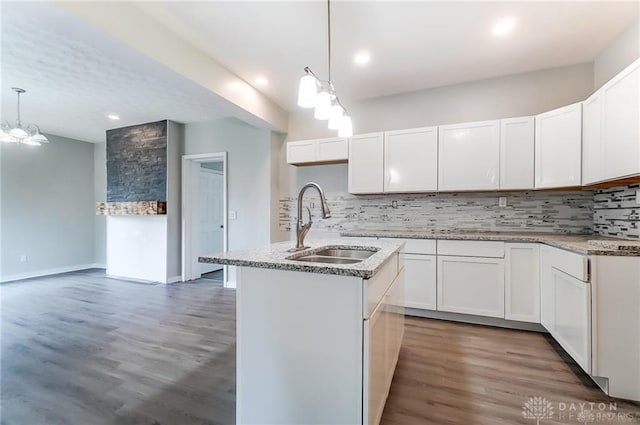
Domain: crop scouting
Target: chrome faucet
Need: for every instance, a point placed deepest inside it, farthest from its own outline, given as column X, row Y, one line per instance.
column 303, row 229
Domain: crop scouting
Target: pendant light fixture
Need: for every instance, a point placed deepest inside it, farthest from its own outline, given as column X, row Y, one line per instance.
column 320, row 94
column 29, row 135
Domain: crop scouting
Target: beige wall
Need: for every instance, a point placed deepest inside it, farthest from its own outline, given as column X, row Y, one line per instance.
column 624, row 50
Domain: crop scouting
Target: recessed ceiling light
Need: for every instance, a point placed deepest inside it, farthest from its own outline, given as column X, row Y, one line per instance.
column 261, row 81
column 362, row 58
column 113, row 117
column 503, row 27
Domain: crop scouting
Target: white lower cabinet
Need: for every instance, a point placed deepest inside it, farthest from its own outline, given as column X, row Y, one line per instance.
column 522, row 282
column 420, row 281
column 471, row 285
column 572, row 316
column 546, row 288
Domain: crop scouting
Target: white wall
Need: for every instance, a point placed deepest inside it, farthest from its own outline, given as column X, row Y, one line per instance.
column 100, row 195
column 48, row 210
column 248, row 174
column 624, row 50
column 175, row 146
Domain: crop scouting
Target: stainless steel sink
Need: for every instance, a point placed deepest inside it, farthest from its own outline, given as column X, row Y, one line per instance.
column 328, row 260
column 337, row 255
column 360, row 254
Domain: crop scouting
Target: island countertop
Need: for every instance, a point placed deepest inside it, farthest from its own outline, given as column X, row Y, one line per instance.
column 277, row 256
column 578, row 243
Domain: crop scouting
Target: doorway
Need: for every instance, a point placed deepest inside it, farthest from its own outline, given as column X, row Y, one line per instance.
column 204, row 212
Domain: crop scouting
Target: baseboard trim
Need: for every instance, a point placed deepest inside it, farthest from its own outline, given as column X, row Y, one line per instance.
column 475, row 320
column 99, row 266
column 174, row 279
column 47, row 272
column 230, row 284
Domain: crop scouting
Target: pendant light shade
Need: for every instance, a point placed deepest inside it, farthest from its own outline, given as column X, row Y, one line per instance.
column 307, row 91
column 29, row 135
column 18, row 133
column 323, row 106
column 346, row 128
column 335, row 118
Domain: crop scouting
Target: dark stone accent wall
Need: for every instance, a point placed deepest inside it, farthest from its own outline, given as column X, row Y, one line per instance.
column 137, row 163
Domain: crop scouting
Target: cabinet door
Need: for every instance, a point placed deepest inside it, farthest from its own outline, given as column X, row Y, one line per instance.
column 395, row 324
column 522, row 282
column 547, row 303
column 469, row 156
column 420, row 281
column 471, row 285
column 411, row 160
column 334, row 149
column 301, row 152
column 572, row 317
column 621, row 123
column 517, row 153
column 559, row 147
column 375, row 362
column 366, row 163
column 592, row 148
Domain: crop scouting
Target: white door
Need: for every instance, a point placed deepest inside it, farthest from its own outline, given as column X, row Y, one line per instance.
column 471, row 285
column 558, row 136
column 411, row 160
column 420, row 281
column 210, row 216
column 517, row 153
column 592, row 148
column 469, row 156
column 522, row 282
column 572, row 317
column 366, row 163
column 621, row 123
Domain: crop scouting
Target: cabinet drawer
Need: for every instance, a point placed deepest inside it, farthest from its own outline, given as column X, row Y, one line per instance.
column 417, row 246
column 571, row 263
column 378, row 285
column 488, row 249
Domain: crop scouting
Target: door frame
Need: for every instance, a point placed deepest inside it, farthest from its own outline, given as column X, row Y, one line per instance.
column 190, row 268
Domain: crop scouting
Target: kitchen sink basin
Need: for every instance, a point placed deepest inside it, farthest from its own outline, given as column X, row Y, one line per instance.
column 327, row 260
column 360, row 254
column 337, row 255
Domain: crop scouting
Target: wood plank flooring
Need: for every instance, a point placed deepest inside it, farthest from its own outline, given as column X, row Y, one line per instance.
column 84, row 349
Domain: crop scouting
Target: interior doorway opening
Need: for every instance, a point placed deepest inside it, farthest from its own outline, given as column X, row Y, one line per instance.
column 204, row 208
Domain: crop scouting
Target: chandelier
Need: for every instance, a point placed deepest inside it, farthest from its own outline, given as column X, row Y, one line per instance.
column 321, row 95
column 29, row 135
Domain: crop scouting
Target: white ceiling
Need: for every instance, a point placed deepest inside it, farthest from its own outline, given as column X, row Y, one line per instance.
column 75, row 75
column 413, row 45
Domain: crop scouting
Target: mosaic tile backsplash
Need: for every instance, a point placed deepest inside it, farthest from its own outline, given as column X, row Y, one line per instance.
column 554, row 212
column 617, row 212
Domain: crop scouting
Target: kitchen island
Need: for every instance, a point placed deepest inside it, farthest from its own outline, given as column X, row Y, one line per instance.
column 318, row 331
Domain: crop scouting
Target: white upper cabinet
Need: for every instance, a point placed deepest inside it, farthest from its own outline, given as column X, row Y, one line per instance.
column 320, row 151
column 411, row 160
column 366, row 163
column 469, row 156
column 558, row 143
column 621, row 123
column 592, row 146
column 517, row 151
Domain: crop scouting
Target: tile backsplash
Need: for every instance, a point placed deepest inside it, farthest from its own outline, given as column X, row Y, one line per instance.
column 617, row 212
column 556, row 212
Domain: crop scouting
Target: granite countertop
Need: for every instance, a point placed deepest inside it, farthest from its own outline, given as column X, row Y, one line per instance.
column 581, row 244
column 276, row 256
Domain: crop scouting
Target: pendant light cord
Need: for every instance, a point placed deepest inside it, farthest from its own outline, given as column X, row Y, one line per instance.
column 329, row 36
column 18, row 119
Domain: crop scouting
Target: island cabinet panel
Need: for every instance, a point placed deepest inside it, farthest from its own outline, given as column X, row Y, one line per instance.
column 469, row 156
column 411, row 160
column 558, row 161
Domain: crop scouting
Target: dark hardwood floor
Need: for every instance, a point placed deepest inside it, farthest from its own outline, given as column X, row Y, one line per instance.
column 84, row 349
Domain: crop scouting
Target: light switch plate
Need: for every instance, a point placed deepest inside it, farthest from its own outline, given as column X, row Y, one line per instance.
column 23, row 258
column 638, row 196
column 233, row 215
column 502, row 201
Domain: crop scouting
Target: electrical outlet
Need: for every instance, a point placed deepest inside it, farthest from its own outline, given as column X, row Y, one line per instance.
column 394, row 204
column 23, row 258
column 638, row 196
column 502, row 201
